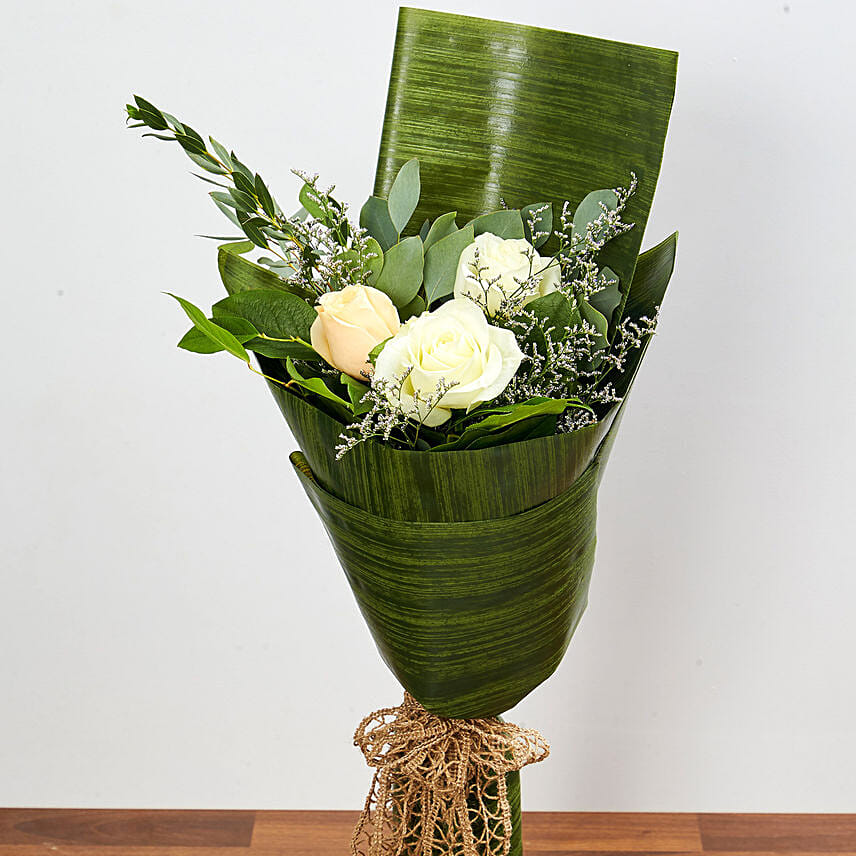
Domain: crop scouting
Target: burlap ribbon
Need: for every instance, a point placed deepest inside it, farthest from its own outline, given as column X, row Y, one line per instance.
column 439, row 784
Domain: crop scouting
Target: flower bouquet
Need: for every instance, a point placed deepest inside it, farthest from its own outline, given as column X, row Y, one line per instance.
column 454, row 367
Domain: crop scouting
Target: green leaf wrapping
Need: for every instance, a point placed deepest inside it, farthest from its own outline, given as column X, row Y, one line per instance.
column 472, row 567
column 469, row 616
column 503, row 112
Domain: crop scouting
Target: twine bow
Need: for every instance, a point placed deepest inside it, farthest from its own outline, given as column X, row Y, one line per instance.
column 439, row 784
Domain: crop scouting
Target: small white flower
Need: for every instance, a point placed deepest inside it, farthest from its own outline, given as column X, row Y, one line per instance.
column 494, row 271
column 451, row 345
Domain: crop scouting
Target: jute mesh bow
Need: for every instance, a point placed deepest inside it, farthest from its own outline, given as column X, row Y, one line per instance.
column 439, row 784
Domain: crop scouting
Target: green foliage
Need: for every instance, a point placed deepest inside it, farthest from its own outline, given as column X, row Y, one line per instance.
column 607, row 299
column 514, row 422
column 373, row 266
column 401, row 275
column 357, row 392
column 601, row 325
column 590, row 209
column 249, row 204
column 245, row 275
column 218, row 335
column 317, row 262
column 276, row 314
column 316, row 386
column 554, row 311
column 374, row 217
column 375, row 351
column 444, row 225
column 420, row 271
column 201, row 343
column 441, row 263
column 503, row 224
column 415, row 307
column 404, row 195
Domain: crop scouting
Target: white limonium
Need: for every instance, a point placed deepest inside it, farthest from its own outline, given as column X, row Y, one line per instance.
column 504, row 273
column 451, row 345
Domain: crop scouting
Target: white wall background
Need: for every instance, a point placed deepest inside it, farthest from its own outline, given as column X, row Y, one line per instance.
column 174, row 628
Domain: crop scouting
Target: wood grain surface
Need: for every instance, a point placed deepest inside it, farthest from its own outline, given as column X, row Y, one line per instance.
column 27, row 832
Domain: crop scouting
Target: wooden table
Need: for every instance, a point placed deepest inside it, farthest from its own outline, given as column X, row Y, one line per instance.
column 28, row 832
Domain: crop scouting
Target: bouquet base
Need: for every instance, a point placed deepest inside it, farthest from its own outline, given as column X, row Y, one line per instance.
column 442, row 786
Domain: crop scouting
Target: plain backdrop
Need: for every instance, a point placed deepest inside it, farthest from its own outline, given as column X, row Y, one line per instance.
column 174, row 628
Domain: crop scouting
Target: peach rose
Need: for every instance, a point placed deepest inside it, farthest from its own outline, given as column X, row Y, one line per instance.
column 350, row 323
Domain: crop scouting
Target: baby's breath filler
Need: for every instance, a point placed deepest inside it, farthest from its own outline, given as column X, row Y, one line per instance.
column 388, row 418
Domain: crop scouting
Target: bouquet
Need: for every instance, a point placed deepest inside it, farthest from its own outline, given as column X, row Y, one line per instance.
column 453, row 364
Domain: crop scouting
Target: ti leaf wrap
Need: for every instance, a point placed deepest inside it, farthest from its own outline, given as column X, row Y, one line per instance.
column 472, row 568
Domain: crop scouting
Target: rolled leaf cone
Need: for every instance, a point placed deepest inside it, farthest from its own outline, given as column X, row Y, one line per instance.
column 471, row 568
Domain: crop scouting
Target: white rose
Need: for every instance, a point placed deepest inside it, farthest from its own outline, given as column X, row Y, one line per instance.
column 350, row 323
column 509, row 260
column 453, row 344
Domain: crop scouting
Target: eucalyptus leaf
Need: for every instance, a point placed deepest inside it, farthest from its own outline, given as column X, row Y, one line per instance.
column 308, row 197
column 152, row 116
column 250, row 225
column 401, row 275
column 210, row 180
column 224, row 198
column 591, row 208
column 240, row 169
column 404, row 195
column 503, row 224
column 441, row 263
column 373, row 266
column 245, row 184
column 243, row 201
column 415, row 307
column 443, row 226
column 264, row 197
column 207, row 163
column 599, row 322
column 374, row 217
